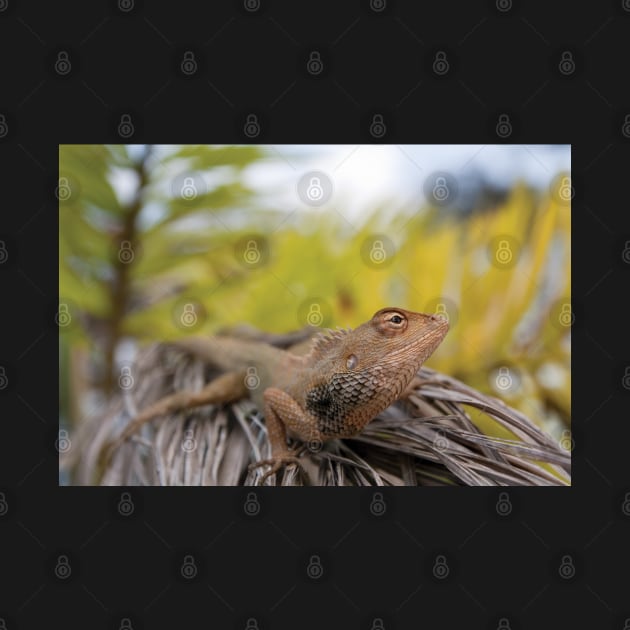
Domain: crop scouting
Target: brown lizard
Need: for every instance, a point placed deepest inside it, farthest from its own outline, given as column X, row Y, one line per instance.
column 347, row 378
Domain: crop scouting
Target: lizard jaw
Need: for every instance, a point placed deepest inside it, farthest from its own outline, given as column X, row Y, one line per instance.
column 422, row 344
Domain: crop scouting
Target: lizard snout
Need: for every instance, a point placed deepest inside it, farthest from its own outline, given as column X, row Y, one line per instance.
column 440, row 319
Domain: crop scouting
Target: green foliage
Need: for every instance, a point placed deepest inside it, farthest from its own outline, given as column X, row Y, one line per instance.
column 191, row 251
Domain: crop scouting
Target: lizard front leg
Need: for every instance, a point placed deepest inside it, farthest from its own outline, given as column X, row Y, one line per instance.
column 282, row 412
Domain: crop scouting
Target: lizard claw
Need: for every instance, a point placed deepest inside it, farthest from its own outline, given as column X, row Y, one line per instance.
column 276, row 464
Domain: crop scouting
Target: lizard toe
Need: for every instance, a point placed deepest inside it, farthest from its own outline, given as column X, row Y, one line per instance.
column 276, row 464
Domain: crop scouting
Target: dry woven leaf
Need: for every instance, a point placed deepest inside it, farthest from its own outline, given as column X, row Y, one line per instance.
column 427, row 438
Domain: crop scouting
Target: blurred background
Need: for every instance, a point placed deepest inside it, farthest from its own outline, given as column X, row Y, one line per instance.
column 159, row 242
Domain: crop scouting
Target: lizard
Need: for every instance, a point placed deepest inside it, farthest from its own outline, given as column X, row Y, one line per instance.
column 346, row 379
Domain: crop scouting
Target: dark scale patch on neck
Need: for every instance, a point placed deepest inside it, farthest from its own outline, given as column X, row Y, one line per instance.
column 346, row 403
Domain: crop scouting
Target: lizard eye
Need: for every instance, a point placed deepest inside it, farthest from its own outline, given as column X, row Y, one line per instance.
column 390, row 322
column 397, row 319
column 352, row 361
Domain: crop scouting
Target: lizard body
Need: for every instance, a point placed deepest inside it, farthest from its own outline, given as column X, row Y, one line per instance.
column 347, row 378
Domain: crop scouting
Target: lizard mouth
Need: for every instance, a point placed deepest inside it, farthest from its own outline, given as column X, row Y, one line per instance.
column 436, row 328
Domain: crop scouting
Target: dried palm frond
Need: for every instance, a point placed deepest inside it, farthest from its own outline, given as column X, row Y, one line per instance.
column 426, row 438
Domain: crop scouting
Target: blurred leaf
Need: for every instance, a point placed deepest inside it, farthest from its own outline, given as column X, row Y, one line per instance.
column 204, row 157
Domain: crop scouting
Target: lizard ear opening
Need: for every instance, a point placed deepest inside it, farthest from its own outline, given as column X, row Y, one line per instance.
column 352, row 361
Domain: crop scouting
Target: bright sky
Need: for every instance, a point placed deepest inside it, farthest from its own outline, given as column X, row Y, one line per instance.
column 363, row 176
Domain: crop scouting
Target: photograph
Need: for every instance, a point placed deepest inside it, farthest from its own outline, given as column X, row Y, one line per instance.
column 315, row 315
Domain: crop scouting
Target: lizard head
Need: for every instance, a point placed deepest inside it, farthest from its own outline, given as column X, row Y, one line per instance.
column 360, row 372
column 393, row 337
column 400, row 337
